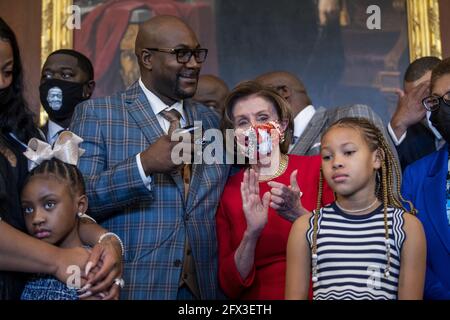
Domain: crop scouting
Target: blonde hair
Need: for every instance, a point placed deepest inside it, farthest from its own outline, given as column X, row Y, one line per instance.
column 388, row 184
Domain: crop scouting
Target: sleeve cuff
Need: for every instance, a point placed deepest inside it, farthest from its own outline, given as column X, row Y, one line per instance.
column 396, row 141
column 247, row 282
column 230, row 279
column 235, row 276
column 147, row 180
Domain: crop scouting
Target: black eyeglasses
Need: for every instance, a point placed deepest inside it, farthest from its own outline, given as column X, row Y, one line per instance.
column 184, row 54
column 432, row 103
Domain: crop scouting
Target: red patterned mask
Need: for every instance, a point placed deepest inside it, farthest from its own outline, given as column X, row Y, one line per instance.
column 258, row 139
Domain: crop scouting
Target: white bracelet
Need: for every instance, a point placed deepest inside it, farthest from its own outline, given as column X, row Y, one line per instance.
column 112, row 234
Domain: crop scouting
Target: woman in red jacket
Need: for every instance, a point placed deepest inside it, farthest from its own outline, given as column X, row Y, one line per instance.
column 261, row 201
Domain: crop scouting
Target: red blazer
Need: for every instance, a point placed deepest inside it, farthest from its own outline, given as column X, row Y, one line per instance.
column 267, row 278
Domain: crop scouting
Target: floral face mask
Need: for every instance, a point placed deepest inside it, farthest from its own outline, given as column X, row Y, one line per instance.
column 257, row 140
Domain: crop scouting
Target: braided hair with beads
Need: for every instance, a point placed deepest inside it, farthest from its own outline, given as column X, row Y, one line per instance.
column 388, row 182
column 63, row 171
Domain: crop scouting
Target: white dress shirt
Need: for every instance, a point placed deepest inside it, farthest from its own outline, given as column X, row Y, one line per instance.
column 301, row 121
column 439, row 142
column 157, row 106
column 53, row 131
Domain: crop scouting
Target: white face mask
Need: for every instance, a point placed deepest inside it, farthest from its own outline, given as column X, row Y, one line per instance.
column 433, row 129
column 265, row 143
column 256, row 141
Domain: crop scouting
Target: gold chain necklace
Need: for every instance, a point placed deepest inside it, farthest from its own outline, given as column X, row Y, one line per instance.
column 284, row 160
column 357, row 210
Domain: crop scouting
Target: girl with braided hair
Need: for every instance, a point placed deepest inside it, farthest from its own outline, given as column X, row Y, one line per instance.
column 53, row 200
column 365, row 245
column 18, row 251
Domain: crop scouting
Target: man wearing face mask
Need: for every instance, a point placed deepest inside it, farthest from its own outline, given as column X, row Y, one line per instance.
column 427, row 184
column 412, row 134
column 67, row 79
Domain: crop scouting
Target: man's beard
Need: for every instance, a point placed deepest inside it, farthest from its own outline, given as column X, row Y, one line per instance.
column 182, row 94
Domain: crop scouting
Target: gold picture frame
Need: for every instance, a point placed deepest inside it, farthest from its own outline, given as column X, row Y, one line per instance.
column 423, row 29
column 54, row 33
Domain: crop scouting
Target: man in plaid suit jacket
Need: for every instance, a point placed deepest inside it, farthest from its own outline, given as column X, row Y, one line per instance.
column 134, row 187
column 310, row 123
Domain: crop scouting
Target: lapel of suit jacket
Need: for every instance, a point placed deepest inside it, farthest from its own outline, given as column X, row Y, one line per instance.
column 436, row 197
column 140, row 110
column 192, row 115
column 311, row 134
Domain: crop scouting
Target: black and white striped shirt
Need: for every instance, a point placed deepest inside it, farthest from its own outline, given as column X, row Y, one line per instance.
column 351, row 252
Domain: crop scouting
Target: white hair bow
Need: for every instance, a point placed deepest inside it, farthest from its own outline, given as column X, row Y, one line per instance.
column 66, row 149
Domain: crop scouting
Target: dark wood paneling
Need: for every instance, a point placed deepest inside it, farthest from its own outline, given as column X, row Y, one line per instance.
column 24, row 17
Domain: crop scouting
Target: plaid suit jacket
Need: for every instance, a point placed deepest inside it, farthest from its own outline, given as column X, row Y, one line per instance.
column 152, row 224
column 309, row 142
